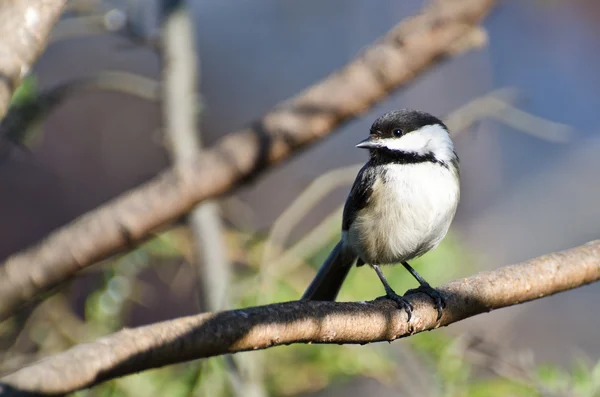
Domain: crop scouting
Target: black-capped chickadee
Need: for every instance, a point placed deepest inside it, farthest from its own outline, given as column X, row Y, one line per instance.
column 400, row 206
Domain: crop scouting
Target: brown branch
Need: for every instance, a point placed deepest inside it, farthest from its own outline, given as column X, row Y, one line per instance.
column 445, row 28
column 24, row 29
column 212, row 334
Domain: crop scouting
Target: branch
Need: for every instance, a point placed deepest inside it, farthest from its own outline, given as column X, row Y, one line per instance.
column 22, row 116
column 212, row 334
column 213, row 268
column 180, row 80
column 24, row 29
column 445, row 28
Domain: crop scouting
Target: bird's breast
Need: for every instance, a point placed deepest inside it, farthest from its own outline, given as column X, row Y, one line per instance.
column 408, row 213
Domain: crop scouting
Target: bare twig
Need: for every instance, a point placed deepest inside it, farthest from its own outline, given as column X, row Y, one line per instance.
column 180, row 113
column 181, row 108
column 94, row 24
column 24, row 29
column 498, row 104
column 517, row 366
column 24, row 115
column 302, row 205
column 407, row 50
column 211, row 334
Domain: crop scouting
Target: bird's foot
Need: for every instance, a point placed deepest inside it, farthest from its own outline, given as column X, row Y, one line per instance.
column 401, row 302
column 391, row 294
column 438, row 300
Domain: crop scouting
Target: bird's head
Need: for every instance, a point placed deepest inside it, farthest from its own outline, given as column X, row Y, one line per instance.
column 409, row 136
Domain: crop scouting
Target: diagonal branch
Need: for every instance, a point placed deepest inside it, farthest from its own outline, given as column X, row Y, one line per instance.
column 24, row 29
column 25, row 114
column 446, row 28
column 212, row 334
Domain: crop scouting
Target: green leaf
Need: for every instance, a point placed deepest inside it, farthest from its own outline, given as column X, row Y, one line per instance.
column 26, row 92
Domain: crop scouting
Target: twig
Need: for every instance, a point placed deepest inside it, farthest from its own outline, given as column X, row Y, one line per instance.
column 180, row 114
column 497, row 104
column 180, row 111
column 302, row 205
column 212, row 334
column 97, row 24
column 506, row 363
column 273, row 256
column 23, row 116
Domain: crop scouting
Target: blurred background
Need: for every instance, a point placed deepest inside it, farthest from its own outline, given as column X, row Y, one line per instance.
column 530, row 185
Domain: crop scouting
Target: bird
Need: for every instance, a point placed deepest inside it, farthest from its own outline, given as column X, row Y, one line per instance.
column 400, row 206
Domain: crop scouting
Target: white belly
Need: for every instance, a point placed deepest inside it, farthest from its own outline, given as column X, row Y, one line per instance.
column 409, row 214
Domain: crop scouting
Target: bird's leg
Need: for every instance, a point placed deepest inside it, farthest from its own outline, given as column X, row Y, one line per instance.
column 426, row 289
column 391, row 294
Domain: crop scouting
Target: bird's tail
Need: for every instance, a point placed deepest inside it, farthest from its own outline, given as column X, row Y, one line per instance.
column 330, row 277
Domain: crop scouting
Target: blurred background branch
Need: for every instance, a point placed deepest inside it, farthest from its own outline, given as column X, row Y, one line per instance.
column 210, row 334
column 181, row 107
column 30, row 107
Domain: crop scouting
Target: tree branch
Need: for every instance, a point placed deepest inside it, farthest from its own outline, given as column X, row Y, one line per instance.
column 29, row 112
column 445, row 28
column 24, row 29
column 212, row 334
column 213, row 268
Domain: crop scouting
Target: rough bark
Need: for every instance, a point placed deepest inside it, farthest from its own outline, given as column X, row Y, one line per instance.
column 212, row 334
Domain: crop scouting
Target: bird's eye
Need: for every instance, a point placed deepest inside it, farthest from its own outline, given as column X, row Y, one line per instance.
column 397, row 132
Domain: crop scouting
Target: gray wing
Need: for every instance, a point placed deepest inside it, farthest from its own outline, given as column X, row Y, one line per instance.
column 359, row 195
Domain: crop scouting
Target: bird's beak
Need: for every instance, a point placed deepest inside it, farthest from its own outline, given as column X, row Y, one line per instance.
column 369, row 143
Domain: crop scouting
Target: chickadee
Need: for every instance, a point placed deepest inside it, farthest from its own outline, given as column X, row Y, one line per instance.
column 400, row 206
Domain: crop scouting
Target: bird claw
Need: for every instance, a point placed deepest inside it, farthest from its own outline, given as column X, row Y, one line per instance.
column 402, row 303
column 438, row 300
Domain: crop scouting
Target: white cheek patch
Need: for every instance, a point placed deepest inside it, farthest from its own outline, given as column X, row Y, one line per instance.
column 429, row 139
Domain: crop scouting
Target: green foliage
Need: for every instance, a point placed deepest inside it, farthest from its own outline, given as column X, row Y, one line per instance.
column 22, row 125
column 26, row 92
column 582, row 380
column 499, row 387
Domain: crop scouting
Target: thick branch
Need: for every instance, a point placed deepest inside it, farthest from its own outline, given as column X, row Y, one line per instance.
column 212, row 334
column 24, row 29
column 446, row 27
